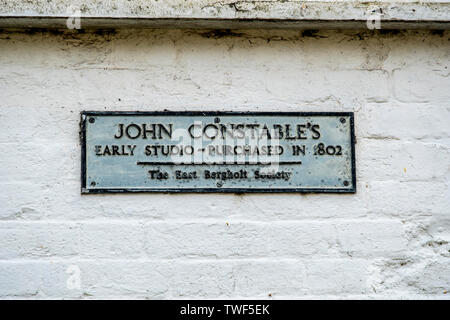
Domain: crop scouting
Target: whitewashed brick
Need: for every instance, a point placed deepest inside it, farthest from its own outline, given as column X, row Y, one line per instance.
column 23, row 200
column 211, row 240
column 402, row 161
column 119, row 279
column 111, row 240
column 389, row 240
column 414, row 85
column 204, row 278
column 404, row 121
column 37, row 280
column 400, row 198
column 38, row 240
column 385, row 238
column 285, row 239
column 48, row 279
column 261, row 278
column 344, row 276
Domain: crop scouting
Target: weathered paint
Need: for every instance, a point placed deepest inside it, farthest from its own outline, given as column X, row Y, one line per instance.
column 388, row 240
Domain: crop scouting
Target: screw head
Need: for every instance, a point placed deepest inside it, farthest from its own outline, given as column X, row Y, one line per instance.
column 91, row 120
column 342, row 120
column 219, row 184
column 93, row 183
column 216, row 120
column 346, row 183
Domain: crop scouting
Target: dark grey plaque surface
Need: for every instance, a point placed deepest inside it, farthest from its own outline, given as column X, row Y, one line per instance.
column 217, row 152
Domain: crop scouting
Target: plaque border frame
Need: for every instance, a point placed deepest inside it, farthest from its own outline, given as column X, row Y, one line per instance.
column 84, row 114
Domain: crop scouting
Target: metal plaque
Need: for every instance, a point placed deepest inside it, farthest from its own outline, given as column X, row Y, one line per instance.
column 217, row 152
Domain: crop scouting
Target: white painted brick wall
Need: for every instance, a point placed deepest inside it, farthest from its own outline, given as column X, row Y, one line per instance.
column 389, row 240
